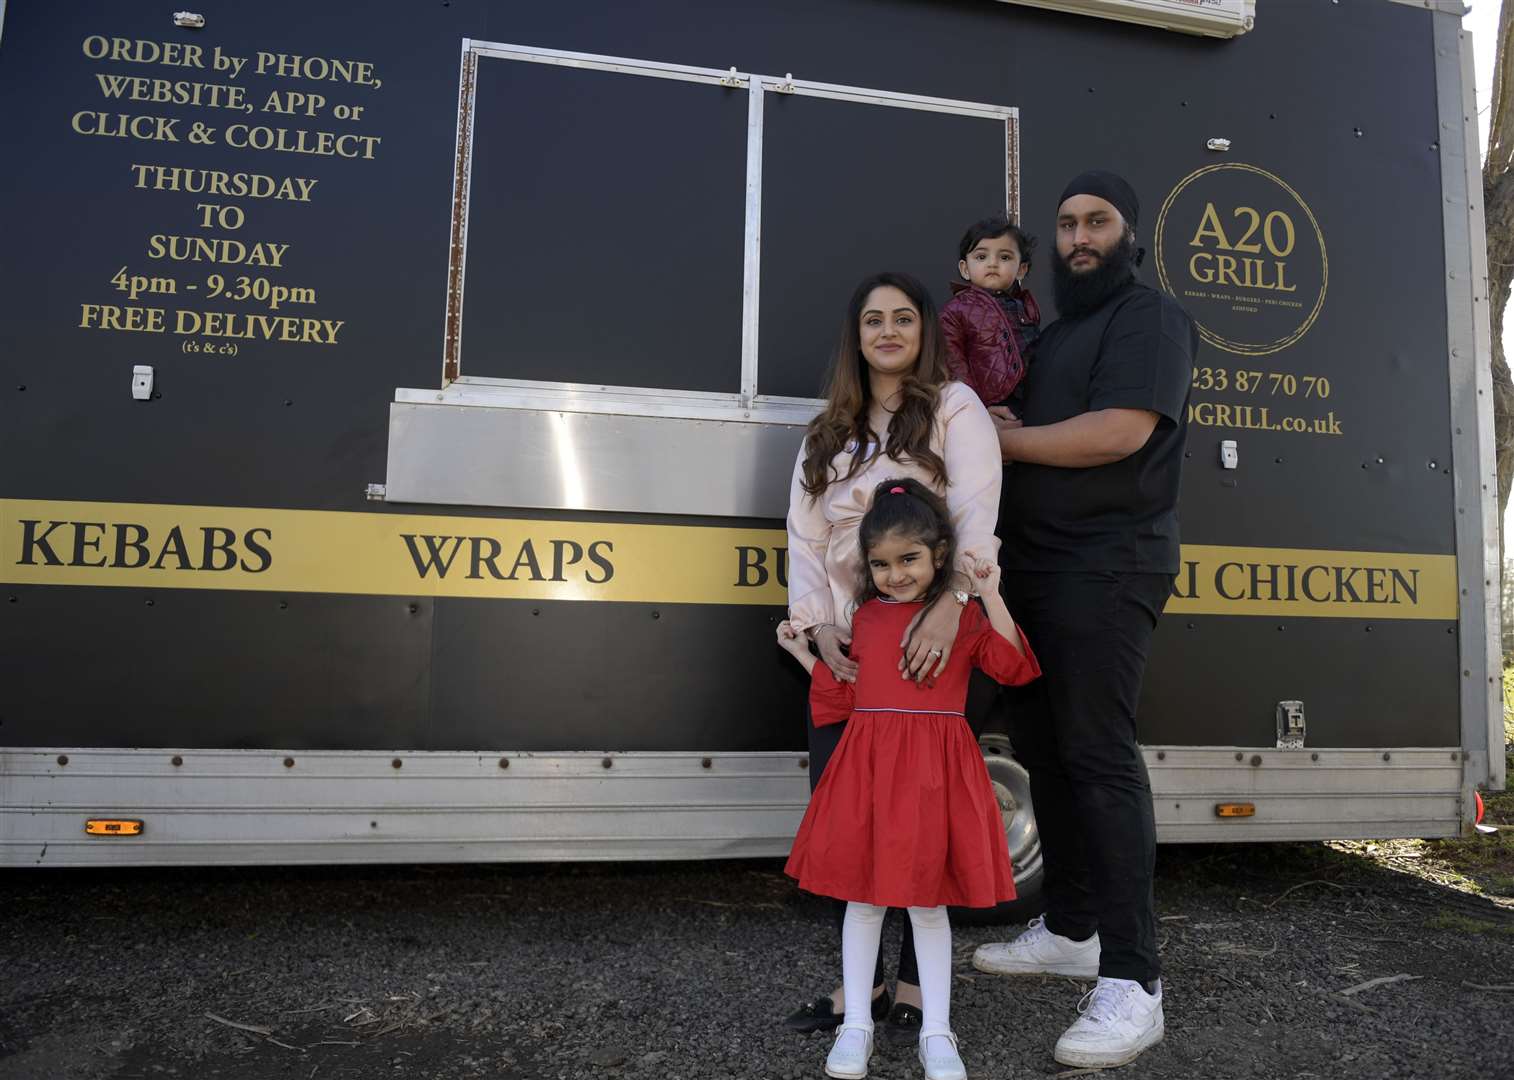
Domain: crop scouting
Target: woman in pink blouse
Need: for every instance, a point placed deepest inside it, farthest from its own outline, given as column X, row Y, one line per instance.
column 889, row 412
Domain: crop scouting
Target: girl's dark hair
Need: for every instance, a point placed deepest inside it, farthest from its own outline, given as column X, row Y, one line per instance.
column 991, row 228
column 914, row 512
column 847, row 395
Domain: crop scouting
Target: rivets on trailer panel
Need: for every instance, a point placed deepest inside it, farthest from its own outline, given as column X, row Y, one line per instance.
column 287, row 403
column 1313, row 757
column 536, row 611
column 21, row 387
column 804, row 763
column 1256, row 760
column 606, row 762
column 1432, row 466
column 283, row 605
column 289, row 763
column 1281, row 627
column 12, row 598
column 396, row 764
column 1240, row 756
column 1387, row 756
column 63, row 759
column 656, row 614
column 412, row 608
column 504, row 763
column 1453, row 756
column 151, row 602
column 373, row 824
column 176, row 760
column 1193, row 626
column 1369, row 628
column 1468, row 674
column 706, row 763
column 1161, row 755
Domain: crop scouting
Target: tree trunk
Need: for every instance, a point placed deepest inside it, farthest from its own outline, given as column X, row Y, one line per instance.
column 1498, row 207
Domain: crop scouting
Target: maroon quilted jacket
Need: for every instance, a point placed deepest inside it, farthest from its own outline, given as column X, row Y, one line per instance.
column 983, row 348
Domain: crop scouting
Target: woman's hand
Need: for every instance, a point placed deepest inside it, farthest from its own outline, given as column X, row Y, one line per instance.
column 984, row 572
column 829, row 639
column 928, row 641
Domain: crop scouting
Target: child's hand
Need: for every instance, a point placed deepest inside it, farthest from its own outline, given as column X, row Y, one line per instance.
column 790, row 640
column 984, row 572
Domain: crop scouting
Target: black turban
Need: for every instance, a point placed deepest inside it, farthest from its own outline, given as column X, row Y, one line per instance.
column 1108, row 186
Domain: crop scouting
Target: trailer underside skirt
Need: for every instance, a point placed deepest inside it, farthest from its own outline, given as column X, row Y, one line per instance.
column 251, row 807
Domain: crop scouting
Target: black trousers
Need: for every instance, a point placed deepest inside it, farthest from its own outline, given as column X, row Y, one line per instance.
column 823, row 742
column 1074, row 731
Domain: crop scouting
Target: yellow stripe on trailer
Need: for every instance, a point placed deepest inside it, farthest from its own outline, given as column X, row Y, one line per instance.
column 141, row 545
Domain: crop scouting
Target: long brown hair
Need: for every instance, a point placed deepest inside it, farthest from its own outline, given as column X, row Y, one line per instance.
column 848, row 395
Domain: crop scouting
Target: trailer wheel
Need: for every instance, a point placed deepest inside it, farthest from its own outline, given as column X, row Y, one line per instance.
column 1012, row 789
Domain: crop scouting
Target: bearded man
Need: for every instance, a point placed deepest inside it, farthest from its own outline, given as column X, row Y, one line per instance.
column 1090, row 547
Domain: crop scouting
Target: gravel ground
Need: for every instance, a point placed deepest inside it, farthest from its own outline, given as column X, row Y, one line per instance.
column 684, row 971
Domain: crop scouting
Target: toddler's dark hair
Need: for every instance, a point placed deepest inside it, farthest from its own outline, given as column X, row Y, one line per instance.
column 915, row 512
column 991, row 228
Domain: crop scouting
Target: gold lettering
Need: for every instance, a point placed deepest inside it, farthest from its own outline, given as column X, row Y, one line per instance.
column 1209, row 225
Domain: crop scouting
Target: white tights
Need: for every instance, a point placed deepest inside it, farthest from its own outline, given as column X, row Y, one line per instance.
column 860, row 933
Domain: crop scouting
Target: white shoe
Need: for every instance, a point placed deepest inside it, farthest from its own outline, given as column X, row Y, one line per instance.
column 939, row 1064
column 1120, row 1019
column 849, row 1063
column 1038, row 951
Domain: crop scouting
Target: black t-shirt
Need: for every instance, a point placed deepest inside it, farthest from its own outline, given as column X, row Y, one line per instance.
column 1134, row 352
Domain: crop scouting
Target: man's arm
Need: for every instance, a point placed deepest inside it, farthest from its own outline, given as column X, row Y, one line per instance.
column 1079, row 442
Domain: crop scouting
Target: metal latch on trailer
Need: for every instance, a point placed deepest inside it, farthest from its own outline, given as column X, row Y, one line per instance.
column 1290, row 725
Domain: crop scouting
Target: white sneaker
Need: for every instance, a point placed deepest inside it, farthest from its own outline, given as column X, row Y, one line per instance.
column 1120, row 1019
column 1038, row 951
column 941, row 1061
column 849, row 1055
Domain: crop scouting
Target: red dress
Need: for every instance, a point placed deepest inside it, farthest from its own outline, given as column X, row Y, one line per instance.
column 904, row 815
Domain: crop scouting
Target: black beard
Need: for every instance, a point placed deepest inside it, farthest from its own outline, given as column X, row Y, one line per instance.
column 1077, row 294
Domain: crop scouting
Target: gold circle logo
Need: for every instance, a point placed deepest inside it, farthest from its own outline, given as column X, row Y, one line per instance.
column 1243, row 253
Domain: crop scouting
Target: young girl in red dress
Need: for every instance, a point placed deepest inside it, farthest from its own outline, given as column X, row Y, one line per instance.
column 904, row 815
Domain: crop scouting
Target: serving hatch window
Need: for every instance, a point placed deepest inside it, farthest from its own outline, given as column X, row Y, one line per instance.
column 656, row 239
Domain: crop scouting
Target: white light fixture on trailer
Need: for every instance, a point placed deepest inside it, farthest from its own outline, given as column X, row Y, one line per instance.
column 1215, row 18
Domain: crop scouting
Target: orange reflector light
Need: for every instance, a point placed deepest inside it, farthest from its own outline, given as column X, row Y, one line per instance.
column 113, row 827
column 1235, row 809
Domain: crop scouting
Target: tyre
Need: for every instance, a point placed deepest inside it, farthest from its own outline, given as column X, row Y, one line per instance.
column 1012, row 790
